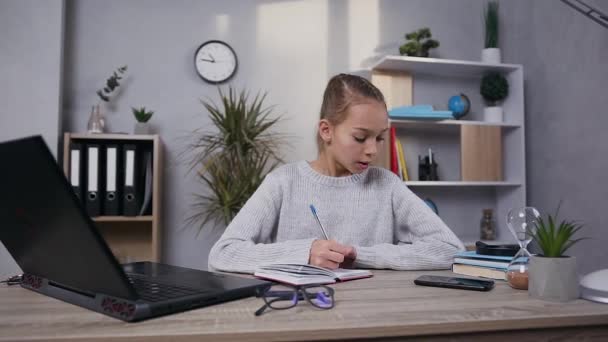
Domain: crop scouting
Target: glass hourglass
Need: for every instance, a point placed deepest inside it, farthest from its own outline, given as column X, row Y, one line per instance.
column 522, row 223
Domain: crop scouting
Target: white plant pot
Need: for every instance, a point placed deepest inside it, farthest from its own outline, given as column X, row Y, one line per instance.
column 553, row 279
column 492, row 114
column 490, row 55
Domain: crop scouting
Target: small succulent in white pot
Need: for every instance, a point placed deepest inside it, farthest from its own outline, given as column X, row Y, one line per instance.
column 553, row 275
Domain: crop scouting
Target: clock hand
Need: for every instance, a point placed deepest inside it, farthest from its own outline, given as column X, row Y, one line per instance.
column 208, row 60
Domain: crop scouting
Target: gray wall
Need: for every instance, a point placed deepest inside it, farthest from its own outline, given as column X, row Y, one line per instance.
column 288, row 48
column 291, row 48
column 30, row 65
column 564, row 57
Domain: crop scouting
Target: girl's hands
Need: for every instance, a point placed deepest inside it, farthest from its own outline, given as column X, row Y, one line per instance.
column 330, row 254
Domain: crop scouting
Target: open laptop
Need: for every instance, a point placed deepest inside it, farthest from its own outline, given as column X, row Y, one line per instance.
column 63, row 255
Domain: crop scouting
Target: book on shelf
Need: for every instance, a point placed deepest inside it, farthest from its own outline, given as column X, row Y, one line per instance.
column 419, row 112
column 393, row 151
column 300, row 274
column 401, row 159
column 480, row 271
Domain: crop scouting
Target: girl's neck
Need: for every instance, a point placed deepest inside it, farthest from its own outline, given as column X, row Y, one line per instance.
column 326, row 165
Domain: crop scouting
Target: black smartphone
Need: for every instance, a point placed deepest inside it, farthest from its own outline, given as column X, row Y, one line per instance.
column 455, row 283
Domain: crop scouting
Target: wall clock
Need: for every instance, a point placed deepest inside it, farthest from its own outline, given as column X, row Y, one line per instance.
column 215, row 61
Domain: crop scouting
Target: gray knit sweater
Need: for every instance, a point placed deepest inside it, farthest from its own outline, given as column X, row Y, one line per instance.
column 373, row 211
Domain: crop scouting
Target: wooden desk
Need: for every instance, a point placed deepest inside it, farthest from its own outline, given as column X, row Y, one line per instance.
column 388, row 305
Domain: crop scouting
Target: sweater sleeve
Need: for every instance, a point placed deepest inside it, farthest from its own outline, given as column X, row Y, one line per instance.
column 423, row 241
column 247, row 241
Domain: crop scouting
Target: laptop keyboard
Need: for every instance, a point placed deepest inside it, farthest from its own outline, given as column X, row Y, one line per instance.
column 151, row 291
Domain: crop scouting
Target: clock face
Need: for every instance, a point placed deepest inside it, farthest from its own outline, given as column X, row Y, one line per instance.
column 215, row 61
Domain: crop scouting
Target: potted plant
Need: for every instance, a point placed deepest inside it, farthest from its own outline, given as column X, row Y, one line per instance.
column 142, row 116
column 419, row 43
column 553, row 274
column 232, row 160
column 494, row 89
column 96, row 122
column 491, row 53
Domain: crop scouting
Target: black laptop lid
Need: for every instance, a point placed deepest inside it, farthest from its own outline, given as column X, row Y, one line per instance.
column 44, row 227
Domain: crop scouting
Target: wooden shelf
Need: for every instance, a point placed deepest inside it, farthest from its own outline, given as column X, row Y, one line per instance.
column 489, row 156
column 131, row 238
column 459, row 183
column 148, row 218
column 440, row 67
column 114, row 136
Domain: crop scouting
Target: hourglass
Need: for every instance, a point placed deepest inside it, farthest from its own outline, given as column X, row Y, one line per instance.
column 522, row 223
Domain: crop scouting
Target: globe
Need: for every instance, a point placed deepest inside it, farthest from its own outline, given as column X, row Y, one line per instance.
column 459, row 105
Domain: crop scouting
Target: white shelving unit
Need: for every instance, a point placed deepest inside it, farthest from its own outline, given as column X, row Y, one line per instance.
column 413, row 80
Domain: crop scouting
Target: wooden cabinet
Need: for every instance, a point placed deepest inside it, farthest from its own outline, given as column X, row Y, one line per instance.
column 131, row 238
column 480, row 164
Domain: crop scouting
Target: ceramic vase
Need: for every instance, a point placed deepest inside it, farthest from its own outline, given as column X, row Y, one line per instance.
column 490, row 55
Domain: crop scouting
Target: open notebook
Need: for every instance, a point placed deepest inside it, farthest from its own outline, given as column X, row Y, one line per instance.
column 299, row 274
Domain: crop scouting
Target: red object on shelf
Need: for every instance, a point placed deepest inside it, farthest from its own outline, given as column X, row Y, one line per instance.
column 393, row 137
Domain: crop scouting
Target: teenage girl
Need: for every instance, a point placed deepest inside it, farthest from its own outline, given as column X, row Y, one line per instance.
column 372, row 219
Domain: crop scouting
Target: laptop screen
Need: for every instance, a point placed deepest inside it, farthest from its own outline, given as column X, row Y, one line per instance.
column 45, row 228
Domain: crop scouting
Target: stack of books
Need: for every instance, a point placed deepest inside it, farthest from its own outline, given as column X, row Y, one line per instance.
column 478, row 265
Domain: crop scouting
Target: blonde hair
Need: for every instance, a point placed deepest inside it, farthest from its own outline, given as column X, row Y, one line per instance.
column 343, row 91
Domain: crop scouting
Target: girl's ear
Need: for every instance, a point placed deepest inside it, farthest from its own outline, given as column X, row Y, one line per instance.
column 325, row 131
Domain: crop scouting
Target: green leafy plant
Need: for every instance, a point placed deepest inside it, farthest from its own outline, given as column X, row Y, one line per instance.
column 491, row 24
column 494, row 88
column 554, row 238
column 141, row 114
column 233, row 160
column 112, row 84
column 419, row 43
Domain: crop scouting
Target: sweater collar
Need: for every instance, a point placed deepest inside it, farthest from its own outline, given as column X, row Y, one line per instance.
column 308, row 171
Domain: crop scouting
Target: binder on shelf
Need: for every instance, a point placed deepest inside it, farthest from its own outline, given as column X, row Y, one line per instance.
column 77, row 160
column 93, row 198
column 147, row 194
column 113, row 187
column 131, row 191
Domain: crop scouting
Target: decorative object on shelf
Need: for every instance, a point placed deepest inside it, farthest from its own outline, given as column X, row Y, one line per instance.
column 487, row 226
column 494, row 89
column 553, row 275
column 459, row 105
column 419, row 112
column 522, row 224
column 215, row 61
column 96, row 123
column 491, row 52
column 419, row 43
column 233, row 159
column 432, row 205
column 142, row 116
column 427, row 167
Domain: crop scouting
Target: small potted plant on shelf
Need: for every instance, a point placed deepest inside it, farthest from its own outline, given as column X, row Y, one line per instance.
column 142, row 116
column 494, row 89
column 419, row 43
column 97, row 122
column 553, row 274
column 491, row 52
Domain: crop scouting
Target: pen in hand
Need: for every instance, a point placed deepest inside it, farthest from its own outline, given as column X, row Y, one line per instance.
column 314, row 213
